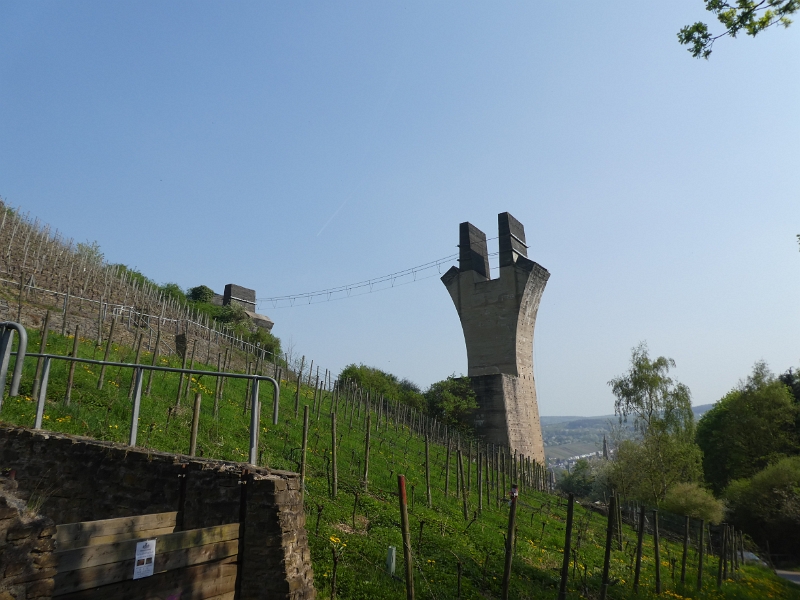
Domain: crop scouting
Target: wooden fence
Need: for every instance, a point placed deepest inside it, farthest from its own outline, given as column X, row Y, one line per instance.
column 96, row 560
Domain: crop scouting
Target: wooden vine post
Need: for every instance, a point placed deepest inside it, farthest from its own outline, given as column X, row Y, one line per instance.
column 182, row 375
column 155, row 358
column 428, row 470
column 366, row 453
column 303, row 453
column 42, row 350
column 334, row 469
column 562, row 590
column 512, row 526
column 479, row 481
column 72, row 363
column 609, row 539
column 657, row 552
column 297, row 392
column 198, row 398
column 106, row 354
column 700, row 555
column 464, row 499
column 685, row 549
column 191, row 366
column 639, row 540
column 447, row 471
column 406, row 531
column 721, row 557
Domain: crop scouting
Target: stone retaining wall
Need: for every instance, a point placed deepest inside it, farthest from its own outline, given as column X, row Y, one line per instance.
column 27, row 564
column 81, row 479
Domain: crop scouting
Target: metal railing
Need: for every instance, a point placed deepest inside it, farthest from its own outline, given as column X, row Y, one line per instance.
column 6, row 340
column 7, row 329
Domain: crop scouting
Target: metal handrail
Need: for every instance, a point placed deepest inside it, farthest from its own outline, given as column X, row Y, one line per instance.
column 139, row 369
column 7, row 328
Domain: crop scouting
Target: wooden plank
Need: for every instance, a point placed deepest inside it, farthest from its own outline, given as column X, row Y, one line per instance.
column 144, row 534
column 69, row 534
column 207, row 581
column 95, row 555
column 83, row 579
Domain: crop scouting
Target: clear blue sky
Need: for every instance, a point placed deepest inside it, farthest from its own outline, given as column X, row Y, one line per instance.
column 290, row 147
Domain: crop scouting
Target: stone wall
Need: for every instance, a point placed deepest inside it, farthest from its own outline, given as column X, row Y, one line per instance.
column 27, row 564
column 80, row 479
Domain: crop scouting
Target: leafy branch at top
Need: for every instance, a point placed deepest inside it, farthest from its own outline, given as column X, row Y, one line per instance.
column 749, row 16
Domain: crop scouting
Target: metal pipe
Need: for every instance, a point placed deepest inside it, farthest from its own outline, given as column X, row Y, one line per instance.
column 5, row 357
column 255, row 422
column 138, row 376
column 42, row 393
column 21, row 353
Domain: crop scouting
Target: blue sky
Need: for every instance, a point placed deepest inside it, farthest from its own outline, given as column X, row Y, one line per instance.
column 292, row 147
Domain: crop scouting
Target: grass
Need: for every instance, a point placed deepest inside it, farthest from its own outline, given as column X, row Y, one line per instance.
column 360, row 525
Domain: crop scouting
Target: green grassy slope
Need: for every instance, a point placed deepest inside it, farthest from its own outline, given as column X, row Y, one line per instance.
column 362, row 525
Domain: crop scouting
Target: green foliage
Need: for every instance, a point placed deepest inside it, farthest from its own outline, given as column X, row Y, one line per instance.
column 364, row 525
column 452, row 400
column 752, row 426
column 201, row 293
column 231, row 314
column 384, row 384
column 265, row 340
column 750, row 16
column 658, row 405
column 90, row 251
column 767, row 505
column 665, row 452
column 791, row 379
column 646, row 469
column 174, row 291
column 579, row 481
column 691, row 500
column 136, row 275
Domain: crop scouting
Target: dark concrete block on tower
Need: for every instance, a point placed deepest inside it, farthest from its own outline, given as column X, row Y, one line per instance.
column 242, row 296
column 498, row 317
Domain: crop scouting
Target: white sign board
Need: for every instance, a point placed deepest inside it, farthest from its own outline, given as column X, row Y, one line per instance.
column 145, row 559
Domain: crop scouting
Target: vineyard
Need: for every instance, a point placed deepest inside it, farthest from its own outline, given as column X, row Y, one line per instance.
column 349, row 445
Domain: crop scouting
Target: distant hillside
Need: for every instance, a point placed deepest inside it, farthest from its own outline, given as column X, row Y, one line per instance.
column 565, row 437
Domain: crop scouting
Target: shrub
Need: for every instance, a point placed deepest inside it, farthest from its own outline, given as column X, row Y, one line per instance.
column 173, row 290
column 384, row 384
column 767, row 505
column 452, row 400
column 691, row 500
column 201, row 293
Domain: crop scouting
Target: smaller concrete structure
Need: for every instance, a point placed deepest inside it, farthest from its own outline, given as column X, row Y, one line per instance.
column 246, row 298
column 236, row 294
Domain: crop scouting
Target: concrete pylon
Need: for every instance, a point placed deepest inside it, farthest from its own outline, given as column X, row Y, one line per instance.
column 498, row 317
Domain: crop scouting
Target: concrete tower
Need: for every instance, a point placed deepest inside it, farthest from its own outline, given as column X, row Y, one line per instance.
column 498, row 317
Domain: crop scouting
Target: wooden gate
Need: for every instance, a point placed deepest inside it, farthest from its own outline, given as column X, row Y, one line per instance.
column 96, row 560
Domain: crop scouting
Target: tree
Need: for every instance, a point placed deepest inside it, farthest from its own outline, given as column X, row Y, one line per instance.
column 656, row 402
column 752, row 426
column 663, row 453
column 579, row 481
column 767, row 505
column 201, row 293
column 452, row 400
column 750, row 16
